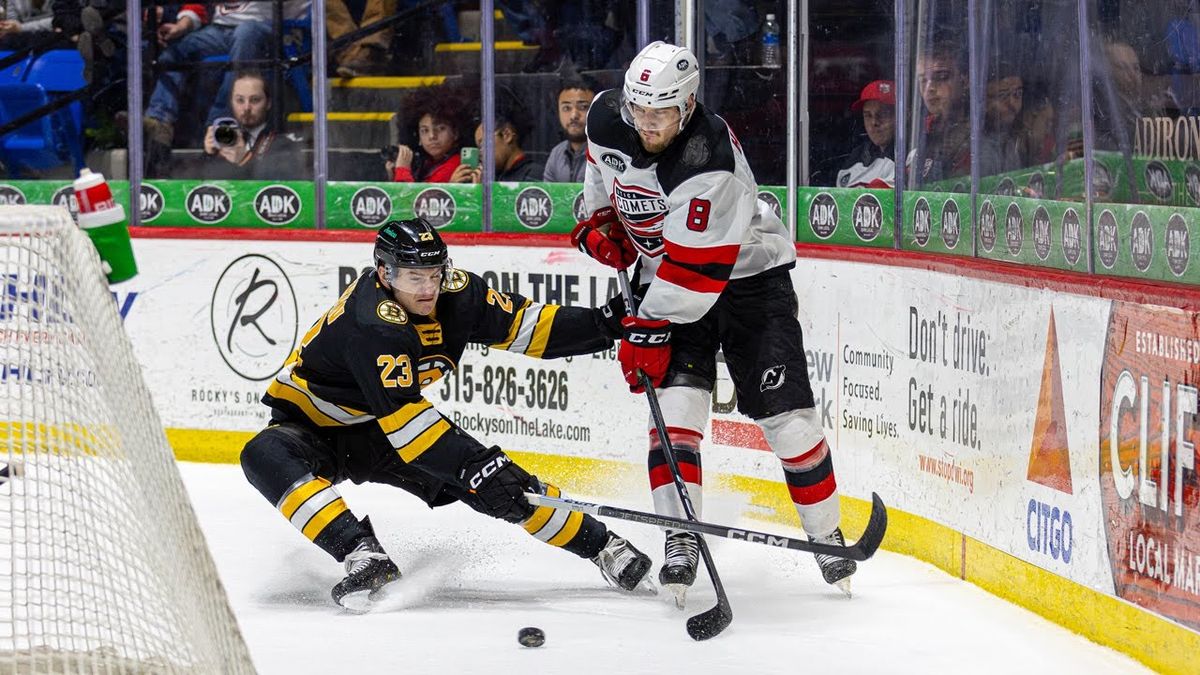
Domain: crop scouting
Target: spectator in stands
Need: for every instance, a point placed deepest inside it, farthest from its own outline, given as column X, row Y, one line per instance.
column 568, row 159
column 943, row 148
column 258, row 151
column 240, row 29
column 433, row 115
column 512, row 164
column 1002, row 115
column 367, row 55
column 24, row 16
column 872, row 163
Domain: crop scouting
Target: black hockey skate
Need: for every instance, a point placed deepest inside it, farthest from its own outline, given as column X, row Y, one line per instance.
column 836, row 570
column 368, row 570
column 678, row 572
column 621, row 564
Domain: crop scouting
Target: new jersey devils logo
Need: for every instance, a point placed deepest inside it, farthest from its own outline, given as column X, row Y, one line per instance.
column 642, row 210
column 772, row 378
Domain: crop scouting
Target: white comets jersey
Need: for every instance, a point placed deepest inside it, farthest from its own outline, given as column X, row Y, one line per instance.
column 692, row 210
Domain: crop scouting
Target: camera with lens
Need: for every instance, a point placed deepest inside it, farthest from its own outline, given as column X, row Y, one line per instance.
column 227, row 132
column 389, row 153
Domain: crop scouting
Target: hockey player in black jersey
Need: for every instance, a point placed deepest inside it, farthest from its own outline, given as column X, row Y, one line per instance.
column 668, row 187
column 348, row 405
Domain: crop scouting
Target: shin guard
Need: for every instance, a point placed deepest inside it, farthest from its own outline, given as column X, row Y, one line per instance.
column 799, row 442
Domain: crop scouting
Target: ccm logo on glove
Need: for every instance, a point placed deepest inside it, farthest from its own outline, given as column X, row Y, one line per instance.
column 645, row 350
column 485, row 472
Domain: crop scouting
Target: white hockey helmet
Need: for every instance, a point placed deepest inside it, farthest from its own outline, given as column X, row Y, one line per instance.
column 660, row 76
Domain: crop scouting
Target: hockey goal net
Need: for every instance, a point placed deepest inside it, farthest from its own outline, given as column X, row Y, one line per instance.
column 103, row 567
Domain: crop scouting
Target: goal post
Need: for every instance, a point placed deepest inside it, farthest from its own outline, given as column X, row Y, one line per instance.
column 103, row 567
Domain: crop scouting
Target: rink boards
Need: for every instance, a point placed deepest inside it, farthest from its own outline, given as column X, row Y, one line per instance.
column 1040, row 443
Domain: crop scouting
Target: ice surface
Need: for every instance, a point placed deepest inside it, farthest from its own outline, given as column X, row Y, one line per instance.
column 470, row 583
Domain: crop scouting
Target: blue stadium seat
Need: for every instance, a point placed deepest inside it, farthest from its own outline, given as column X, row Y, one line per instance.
column 14, row 73
column 58, row 70
column 45, row 143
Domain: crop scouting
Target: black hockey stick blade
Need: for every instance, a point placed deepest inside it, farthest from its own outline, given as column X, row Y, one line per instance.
column 710, row 622
column 862, row 549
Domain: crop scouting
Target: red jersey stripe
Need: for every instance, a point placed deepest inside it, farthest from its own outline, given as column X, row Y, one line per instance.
column 707, row 255
column 661, row 475
column 813, row 494
column 688, row 279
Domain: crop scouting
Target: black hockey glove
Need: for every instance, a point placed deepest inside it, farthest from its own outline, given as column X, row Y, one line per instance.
column 499, row 485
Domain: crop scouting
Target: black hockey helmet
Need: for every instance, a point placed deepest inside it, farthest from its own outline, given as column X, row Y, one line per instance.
column 410, row 243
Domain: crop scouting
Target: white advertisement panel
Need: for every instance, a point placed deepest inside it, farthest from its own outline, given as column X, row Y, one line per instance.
column 1056, row 427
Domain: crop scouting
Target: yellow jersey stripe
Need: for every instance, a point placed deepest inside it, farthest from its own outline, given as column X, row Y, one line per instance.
column 298, row 496
column 293, row 396
column 541, row 332
column 403, row 416
column 539, row 519
column 324, row 517
column 422, row 443
column 568, row 532
column 512, row 330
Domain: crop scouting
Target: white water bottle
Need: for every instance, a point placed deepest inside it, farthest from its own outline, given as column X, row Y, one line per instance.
column 770, row 43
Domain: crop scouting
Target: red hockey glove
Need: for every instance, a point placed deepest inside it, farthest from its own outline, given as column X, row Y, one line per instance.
column 603, row 238
column 645, row 348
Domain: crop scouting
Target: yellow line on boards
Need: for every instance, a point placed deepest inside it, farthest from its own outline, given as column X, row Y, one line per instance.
column 404, row 82
column 343, row 116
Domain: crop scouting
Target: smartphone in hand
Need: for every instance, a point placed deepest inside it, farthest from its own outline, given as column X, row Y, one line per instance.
column 470, row 157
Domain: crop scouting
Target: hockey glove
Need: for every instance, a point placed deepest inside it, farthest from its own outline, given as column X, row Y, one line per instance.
column 645, row 348
column 499, row 485
column 603, row 238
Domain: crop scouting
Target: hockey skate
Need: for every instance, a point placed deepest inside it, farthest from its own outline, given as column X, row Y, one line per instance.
column 678, row 572
column 368, row 570
column 623, row 565
column 836, row 570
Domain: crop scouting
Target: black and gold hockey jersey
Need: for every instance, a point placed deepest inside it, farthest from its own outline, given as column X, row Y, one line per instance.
column 367, row 360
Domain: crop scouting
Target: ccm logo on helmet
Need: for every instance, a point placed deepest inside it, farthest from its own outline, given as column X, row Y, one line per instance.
column 487, row 470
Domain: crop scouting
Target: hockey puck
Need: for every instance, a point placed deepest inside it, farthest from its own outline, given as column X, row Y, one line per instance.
column 531, row 636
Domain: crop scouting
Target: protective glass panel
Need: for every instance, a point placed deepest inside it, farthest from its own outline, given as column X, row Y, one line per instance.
column 745, row 79
column 1146, row 101
column 1028, row 83
column 939, row 129
column 851, row 95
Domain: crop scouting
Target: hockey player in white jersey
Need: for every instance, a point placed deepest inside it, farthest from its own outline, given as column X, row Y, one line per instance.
column 668, row 187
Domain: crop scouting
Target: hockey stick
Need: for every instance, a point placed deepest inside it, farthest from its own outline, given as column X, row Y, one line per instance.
column 862, row 549
column 711, row 622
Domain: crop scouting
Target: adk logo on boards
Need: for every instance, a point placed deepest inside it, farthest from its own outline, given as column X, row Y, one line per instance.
column 987, row 226
column 1041, row 233
column 613, row 162
column 950, row 223
column 1191, row 180
column 1036, row 185
column 1006, row 187
column 1149, row 469
column 534, row 208
column 578, row 207
column 150, row 202
column 10, row 195
column 772, row 201
column 823, row 215
column 867, row 216
column 1048, row 529
column 65, row 197
column 1141, row 241
column 277, row 205
column 1107, row 240
column 370, row 206
column 1072, row 236
column 435, row 205
column 1179, row 244
column 208, row 204
column 1158, row 180
column 254, row 317
column 1014, row 221
column 922, row 221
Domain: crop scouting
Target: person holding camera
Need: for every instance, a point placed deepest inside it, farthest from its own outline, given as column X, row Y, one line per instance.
column 433, row 115
column 237, row 147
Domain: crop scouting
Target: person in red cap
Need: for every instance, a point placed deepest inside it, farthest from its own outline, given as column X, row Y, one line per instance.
column 872, row 163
